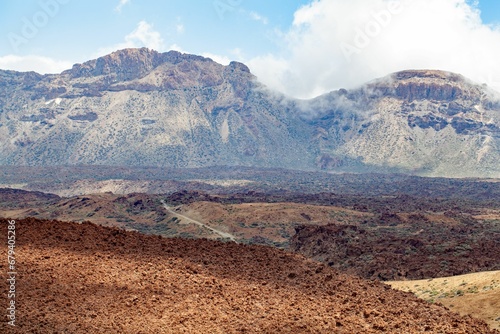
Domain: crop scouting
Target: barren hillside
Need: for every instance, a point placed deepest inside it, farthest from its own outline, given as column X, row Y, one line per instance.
column 84, row 278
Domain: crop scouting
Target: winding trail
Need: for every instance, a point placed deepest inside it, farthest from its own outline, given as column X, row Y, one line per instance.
column 189, row 220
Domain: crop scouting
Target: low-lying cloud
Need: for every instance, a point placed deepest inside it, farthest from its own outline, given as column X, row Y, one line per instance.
column 31, row 62
column 342, row 44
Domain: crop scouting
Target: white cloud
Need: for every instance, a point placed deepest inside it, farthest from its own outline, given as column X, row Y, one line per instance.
column 143, row 36
column 272, row 71
column 223, row 60
column 259, row 18
column 235, row 54
column 179, row 26
column 175, row 47
column 42, row 65
column 120, row 5
column 337, row 43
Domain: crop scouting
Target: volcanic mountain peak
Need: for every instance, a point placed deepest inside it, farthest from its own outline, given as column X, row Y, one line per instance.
column 181, row 110
column 431, row 74
column 433, row 85
column 129, row 64
column 146, row 70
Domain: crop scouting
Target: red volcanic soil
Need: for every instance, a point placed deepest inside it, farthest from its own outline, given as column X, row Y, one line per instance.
column 84, row 278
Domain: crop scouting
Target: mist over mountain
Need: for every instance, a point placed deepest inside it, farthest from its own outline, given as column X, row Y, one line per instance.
column 139, row 107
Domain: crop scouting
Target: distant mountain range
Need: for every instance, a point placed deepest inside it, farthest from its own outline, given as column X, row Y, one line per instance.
column 138, row 107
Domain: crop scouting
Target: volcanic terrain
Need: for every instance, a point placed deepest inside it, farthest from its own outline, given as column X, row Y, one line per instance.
column 84, row 278
column 375, row 226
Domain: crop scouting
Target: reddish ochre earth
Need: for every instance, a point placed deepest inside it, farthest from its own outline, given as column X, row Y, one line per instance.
column 84, row 278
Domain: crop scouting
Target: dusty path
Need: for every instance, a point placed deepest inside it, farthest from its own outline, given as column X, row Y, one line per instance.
column 189, row 220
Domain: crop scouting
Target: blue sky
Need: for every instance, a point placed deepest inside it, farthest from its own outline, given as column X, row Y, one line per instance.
column 301, row 47
column 490, row 11
column 79, row 29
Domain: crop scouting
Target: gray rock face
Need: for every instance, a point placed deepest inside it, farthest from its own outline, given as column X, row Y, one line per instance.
column 144, row 108
column 424, row 122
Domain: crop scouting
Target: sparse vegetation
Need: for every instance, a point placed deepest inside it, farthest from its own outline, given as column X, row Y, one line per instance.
column 475, row 294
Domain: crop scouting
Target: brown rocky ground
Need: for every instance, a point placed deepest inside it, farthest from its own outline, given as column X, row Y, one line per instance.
column 360, row 235
column 103, row 208
column 84, row 278
column 395, row 250
column 19, row 199
column 267, row 223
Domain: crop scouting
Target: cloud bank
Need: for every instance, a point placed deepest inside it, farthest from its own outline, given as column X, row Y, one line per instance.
column 336, row 44
column 42, row 65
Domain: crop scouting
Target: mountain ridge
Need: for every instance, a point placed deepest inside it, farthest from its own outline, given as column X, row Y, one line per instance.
column 145, row 108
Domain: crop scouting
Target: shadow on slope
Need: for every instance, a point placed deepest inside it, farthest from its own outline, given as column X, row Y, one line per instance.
column 84, row 278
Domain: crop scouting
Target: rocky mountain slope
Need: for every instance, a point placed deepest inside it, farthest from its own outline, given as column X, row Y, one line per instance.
column 84, row 278
column 426, row 122
column 144, row 108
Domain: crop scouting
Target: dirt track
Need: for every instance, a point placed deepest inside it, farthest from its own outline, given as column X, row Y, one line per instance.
column 91, row 279
column 190, row 220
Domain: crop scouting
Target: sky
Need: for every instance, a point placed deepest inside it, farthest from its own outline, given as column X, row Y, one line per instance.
column 302, row 48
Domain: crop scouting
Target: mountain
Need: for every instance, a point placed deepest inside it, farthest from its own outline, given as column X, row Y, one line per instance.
column 139, row 107
column 424, row 122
